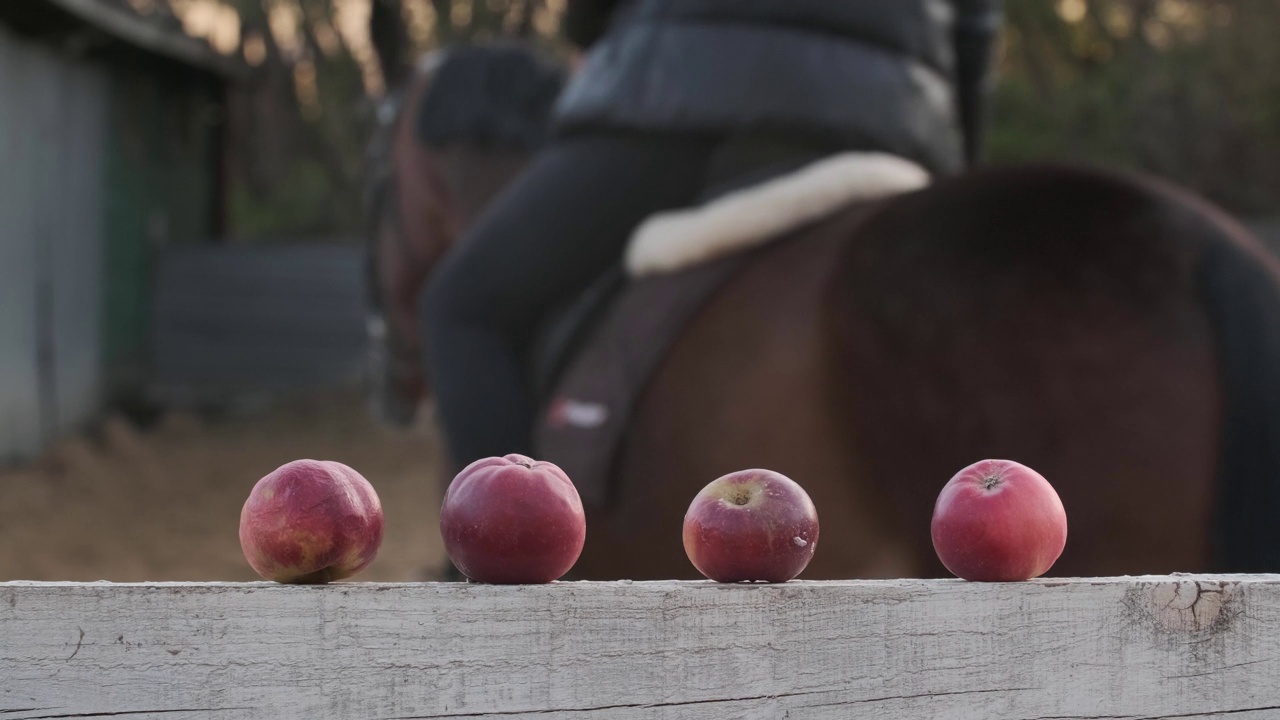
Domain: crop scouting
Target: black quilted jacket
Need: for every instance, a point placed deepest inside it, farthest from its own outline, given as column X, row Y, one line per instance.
column 902, row 76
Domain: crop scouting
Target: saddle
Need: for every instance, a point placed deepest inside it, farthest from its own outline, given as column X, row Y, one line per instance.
column 597, row 356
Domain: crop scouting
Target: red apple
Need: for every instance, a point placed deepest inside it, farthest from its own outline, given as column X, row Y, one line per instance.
column 998, row 521
column 512, row 520
column 751, row 525
column 311, row 521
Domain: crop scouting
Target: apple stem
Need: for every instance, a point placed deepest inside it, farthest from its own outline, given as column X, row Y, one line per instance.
column 524, row 464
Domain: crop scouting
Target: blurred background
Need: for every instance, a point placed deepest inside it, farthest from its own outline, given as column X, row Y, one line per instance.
column 181, row 278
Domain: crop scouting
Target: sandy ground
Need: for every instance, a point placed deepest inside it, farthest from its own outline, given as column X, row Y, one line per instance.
column 123, row 504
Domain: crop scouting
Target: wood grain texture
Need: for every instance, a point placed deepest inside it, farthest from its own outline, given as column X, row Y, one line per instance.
column 1149, row 647
column 229, row 319
column 53, row 115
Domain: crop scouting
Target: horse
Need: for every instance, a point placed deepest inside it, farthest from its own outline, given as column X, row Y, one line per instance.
column 1113, row 331
column 422, row 190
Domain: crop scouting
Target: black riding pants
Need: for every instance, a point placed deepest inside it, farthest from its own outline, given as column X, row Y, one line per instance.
column 559, row 226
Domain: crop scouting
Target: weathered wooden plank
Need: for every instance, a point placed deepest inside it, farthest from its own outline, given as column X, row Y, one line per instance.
column 22, row 65
column 258, row 318
column 52, row 115
column 1184, row 646
column 45, row 108
column 76, row 244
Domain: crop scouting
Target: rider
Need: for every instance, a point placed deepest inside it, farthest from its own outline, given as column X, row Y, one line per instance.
column 664, row 83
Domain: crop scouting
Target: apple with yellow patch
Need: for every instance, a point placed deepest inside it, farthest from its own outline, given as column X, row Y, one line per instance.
column 311, row 521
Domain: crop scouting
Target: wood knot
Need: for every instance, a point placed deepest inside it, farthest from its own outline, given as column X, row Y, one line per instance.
column 1191, row 606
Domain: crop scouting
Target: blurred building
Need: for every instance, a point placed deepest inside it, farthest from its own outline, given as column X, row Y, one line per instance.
column 111, row 149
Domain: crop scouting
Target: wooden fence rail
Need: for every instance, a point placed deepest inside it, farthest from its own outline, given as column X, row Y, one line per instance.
column 1148, row 647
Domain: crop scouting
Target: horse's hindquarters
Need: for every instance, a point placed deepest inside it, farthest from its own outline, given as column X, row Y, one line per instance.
column 1044, row 316
column 1050, row 317
column 752, row 383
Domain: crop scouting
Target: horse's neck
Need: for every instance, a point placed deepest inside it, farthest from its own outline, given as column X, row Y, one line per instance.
column 473, row 177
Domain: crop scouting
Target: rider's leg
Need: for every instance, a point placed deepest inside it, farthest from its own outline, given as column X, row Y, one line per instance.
column 547, row 237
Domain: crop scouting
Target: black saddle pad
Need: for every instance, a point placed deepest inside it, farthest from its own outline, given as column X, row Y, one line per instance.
column 596, row 356
column 586, row 413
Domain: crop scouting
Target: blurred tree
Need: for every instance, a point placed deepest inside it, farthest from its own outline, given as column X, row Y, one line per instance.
column 1188, row 89
column 389, row 34
column 298, row 126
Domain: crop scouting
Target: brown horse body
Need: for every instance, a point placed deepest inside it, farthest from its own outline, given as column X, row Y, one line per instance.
column 1053, row 316
column 873, row 359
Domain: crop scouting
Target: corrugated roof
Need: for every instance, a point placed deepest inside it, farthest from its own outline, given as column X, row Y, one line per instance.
column 151, row 34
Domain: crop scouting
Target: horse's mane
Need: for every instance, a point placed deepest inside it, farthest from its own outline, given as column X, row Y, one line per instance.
column 495, row 96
